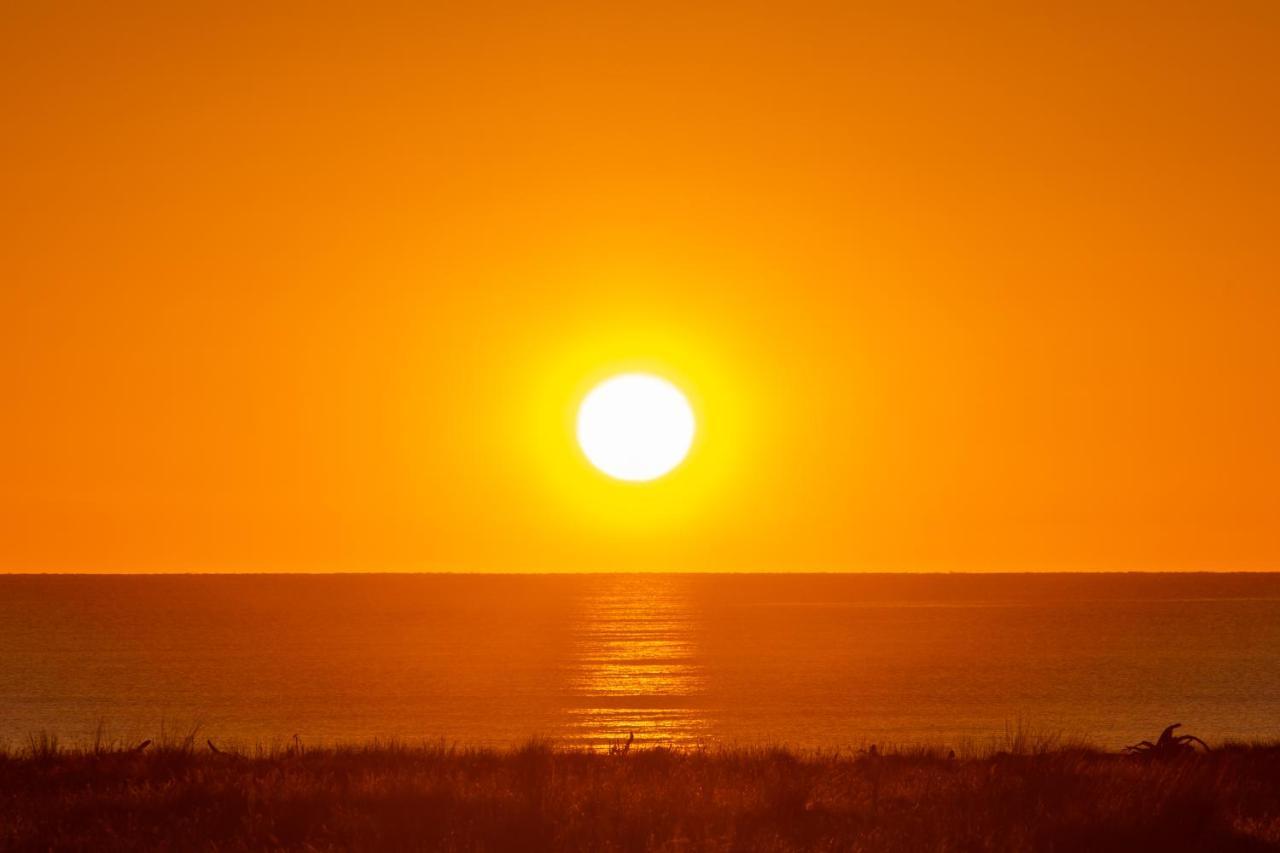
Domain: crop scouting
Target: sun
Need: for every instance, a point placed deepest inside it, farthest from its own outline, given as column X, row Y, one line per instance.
column 635, row 427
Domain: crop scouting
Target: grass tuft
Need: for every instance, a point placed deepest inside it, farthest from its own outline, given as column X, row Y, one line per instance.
column 188, row 792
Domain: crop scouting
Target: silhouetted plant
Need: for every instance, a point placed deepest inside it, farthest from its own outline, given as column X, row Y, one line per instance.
column 1167, row 746
column 374, row 797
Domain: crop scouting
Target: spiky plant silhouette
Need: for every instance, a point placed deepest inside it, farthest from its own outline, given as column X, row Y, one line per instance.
column 1168, row 745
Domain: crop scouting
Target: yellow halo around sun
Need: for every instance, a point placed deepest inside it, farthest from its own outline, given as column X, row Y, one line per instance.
column 635, row 427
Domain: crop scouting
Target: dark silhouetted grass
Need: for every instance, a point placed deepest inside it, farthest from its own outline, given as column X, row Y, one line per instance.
column 180, row 795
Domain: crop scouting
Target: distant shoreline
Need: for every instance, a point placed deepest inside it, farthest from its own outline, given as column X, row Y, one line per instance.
column 658, row 573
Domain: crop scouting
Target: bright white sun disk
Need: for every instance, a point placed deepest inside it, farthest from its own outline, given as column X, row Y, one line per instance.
column 635, row 427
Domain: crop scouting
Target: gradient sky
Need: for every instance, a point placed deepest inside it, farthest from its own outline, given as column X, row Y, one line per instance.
column 953, row 286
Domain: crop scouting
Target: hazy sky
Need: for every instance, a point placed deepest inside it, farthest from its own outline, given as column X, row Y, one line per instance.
column 952, row 285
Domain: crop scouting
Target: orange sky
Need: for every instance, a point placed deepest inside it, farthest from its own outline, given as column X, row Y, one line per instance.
column 954, row 286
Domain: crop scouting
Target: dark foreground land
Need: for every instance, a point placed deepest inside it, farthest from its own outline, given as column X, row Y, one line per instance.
column 187, row 797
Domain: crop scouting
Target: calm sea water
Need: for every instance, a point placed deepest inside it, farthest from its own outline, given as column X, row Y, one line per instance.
column 807, row 660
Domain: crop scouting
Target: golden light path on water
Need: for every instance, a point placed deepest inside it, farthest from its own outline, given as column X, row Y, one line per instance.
column 635, row 666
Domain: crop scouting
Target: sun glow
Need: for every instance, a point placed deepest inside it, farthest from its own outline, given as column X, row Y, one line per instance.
column 635, row 427
column 544, row 439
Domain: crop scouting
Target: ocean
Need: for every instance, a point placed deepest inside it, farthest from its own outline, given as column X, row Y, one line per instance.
column 833, row 661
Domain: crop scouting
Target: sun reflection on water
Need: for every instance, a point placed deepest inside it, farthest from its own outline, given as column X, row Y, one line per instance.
column 635, row 666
